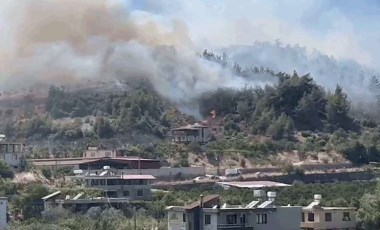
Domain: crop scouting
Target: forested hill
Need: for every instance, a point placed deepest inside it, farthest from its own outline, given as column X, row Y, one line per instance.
column 290, row 113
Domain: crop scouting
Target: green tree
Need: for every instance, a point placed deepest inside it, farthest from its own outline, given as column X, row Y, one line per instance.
column 337, row 109
column 369, row 211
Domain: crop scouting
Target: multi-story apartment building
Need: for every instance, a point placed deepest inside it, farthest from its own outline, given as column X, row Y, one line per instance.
column 208, row 214
column 317, row 217
column 13, row 154
column 118, row 185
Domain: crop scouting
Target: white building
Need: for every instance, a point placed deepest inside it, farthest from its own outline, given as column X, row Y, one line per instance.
column 3, row 213
column 208, row 214
column 13, row 154
column 317, row 217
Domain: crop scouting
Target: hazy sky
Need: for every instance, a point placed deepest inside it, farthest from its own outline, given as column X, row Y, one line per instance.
column 343, row 28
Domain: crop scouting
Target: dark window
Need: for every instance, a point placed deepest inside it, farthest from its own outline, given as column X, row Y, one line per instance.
column 242, row 219
column 231, row 219
column 184, row 217
column 261, row 218
column 328, row 216
column 111, row 194
column 126, row 193
column 310, row 217
column 207, row 219
column 303, row 217
column 140, row 193
column 141, row 181
column 346, row 216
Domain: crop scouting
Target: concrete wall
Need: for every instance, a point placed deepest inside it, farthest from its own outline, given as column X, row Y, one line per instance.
column 284, row 218
column 166, row 173
column 289, row 179
column 307, row 167
column 99, row 153
column 12, row 159
column 3, row 213
column 175, row 221
column 336, row 222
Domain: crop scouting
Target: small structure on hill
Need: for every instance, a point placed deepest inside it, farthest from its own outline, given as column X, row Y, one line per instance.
column 13, row 154
column 191, row 133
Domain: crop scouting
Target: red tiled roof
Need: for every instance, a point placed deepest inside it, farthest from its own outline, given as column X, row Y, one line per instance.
column 207, row 201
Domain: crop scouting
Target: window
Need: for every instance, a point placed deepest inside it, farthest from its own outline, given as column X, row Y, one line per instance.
column 111, row 194
column 346, row 216
column 126, row 193
column 303, row 217
column 184, row 217
column 328, row 217
column 261, row 218
column 207, row 219
column 242, row 219
column 310, row 217
column 231, row 219
column 140, row 193
column 141, row 181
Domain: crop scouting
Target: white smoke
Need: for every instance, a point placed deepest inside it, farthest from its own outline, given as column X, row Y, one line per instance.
column 54, row 42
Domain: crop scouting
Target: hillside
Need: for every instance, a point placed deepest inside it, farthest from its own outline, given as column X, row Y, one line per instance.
column 284, row 118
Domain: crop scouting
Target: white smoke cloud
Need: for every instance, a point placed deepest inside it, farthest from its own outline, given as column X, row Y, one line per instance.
column 54, row 42
column 61, row 41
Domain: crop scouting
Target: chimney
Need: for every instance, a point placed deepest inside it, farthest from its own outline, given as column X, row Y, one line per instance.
column 317, row 197
column 271, row 196
column 201, row 205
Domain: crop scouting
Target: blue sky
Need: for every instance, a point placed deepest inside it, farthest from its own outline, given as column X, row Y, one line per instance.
column 342, row 28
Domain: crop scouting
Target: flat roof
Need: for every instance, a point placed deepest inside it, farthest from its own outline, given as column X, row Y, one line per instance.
column 94, row 200
column 253, row 184
column 124, row 177
column 329, row 208
column 138, row 177
column 51, row 195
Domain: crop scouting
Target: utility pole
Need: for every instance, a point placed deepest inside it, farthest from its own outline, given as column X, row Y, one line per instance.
column 139, row 164
column 134, row 219
column 218, row 159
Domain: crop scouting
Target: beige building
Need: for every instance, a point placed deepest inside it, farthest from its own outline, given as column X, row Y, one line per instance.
column 191, row 133
column 317, row 217
column 96, row 152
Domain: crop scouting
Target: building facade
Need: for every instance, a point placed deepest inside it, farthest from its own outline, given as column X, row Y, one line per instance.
column 96, row 152
column 317, row 217
column 13, row 154
column 207, row 214
column 3, row 213
column 115, row 185
column 191, row 133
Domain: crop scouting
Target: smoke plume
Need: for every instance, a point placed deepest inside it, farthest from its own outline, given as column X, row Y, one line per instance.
column 55, row 41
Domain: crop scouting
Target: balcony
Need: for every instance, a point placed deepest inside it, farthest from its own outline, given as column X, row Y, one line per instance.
column 233, row 227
